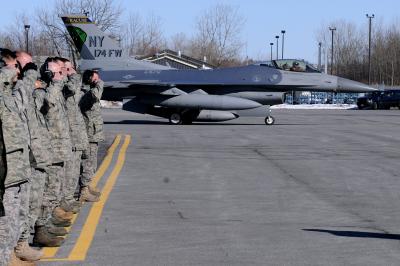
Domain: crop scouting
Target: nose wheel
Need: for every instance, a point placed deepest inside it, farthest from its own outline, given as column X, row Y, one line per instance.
column 269, row 120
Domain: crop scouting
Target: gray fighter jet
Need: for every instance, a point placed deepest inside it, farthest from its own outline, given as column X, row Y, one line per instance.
column 184, row 96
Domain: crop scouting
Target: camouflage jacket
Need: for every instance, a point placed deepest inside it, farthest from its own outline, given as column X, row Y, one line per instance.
column 3, row 165
column 54, row 111
column 14, row 130
column 72, row 93
column 91, row 110
column 39, row 147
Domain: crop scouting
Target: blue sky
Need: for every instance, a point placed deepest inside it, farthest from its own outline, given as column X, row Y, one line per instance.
column 264, row 19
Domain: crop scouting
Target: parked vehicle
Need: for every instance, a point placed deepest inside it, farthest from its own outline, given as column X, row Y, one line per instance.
column 380, row 100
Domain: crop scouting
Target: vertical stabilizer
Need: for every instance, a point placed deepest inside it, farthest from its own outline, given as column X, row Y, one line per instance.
column 98, row 50
column 91, row 42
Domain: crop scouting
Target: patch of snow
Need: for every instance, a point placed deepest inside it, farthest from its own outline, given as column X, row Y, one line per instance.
column 315, row 106
column 110, row 104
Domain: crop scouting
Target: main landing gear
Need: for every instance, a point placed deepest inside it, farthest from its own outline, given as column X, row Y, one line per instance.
column 175, row 118
column 182, row 118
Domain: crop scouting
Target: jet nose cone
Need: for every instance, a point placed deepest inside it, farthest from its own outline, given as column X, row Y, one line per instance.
column 347, row 85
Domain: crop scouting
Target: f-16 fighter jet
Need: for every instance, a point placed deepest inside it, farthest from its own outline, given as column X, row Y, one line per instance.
column 184, row 96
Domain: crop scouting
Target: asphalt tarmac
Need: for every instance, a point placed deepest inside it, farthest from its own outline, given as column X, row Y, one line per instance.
column 320, row 187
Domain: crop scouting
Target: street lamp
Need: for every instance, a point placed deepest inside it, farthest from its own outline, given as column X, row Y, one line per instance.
column 369, row 47
column 26, row 36
column 332, row 29
column 283, row 40
column 277, row 47
column 271, row 44
column 319, row 55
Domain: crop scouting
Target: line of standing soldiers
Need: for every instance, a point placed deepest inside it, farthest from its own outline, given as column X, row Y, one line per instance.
column 50, row 127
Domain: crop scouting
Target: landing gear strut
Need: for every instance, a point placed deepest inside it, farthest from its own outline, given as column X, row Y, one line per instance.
column 269, row 120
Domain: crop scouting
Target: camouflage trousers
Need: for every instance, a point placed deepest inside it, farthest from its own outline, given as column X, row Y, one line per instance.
column 24, row 208
column 51, row 194
column 89, row 164
column 72, row 171
column 10, row 223
column 37, row 184
column 2, row 212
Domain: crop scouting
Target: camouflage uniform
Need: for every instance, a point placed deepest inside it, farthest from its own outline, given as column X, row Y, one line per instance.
column 72, row 93
column 52, row 105
column 39, row 153
column 2, row 164
column 91, row 110
column 17, row 163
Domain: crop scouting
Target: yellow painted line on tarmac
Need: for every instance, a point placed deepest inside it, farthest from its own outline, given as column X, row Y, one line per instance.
column 51, row 252
column 106, row 161
column 79, row 252
column 82, row 246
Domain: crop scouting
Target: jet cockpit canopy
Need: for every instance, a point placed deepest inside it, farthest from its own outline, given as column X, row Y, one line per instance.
column 291, row 65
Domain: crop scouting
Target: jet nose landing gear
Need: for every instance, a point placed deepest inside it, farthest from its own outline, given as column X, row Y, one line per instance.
column 269, row 120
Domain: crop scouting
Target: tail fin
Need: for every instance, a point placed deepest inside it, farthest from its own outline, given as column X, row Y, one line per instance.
column 91, row 42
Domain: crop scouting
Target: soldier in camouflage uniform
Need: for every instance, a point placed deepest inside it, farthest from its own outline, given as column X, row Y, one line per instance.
column 2, row 151
column 91, row 110
column 72, row 94
column 51, row 103
column 17, row 162
column 40, row 151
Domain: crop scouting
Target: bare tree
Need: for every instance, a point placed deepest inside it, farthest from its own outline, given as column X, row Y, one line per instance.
column 351, row 51
column 152, row 37
column 143, row 36
column 132, row 31
column 218, row 35
column 179, row 42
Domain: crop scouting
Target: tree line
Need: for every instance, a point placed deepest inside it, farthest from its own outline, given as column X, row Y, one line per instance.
column 351, row 47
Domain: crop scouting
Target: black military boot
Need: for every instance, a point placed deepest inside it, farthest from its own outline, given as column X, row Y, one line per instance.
column 44, row 239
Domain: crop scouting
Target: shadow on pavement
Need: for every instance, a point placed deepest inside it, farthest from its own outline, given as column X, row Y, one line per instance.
column 358, row 234
column 135, row 122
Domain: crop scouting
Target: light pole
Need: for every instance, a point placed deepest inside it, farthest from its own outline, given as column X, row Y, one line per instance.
column 283, row 40
column 369, row 47
column 26, row 37
column 319, row 55
column 271, row 44
column 277, row 47
column 332, row 29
